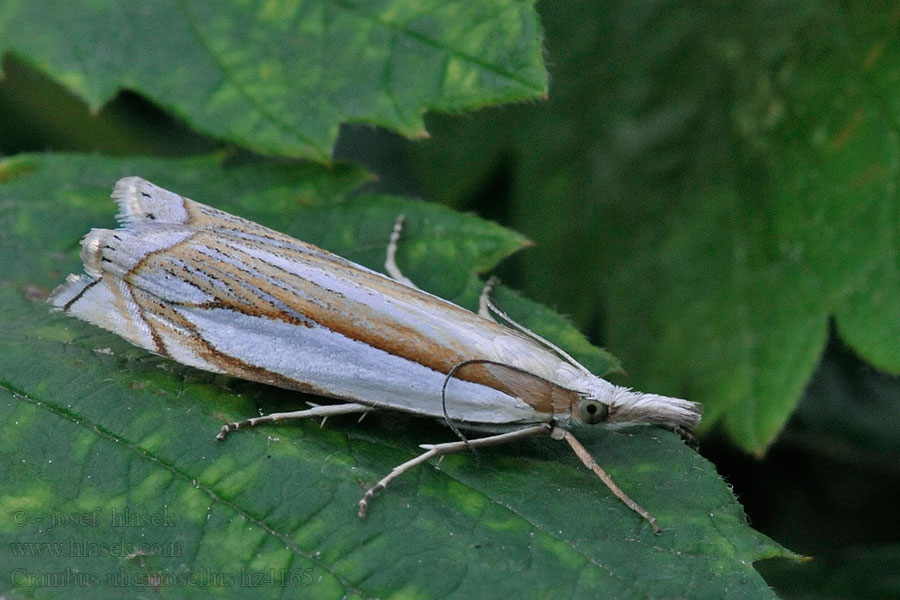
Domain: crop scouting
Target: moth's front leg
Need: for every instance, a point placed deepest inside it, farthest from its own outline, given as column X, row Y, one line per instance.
column 390, row 262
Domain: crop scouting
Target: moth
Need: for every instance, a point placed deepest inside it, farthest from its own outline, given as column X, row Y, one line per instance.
column 220, row 293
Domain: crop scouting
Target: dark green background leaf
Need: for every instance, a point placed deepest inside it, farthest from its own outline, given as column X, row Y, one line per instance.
column 723, row 176
column 99, row 424
column 279, row 77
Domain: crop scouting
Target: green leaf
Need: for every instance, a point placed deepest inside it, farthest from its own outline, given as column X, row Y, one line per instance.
column 724, row 176
column 279, row 77
column 107, row 448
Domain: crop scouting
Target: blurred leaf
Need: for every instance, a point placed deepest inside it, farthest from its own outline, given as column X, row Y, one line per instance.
column 868, row 573
column 278, row 77
column 38, row 113
column 88, row 422
column 723, row 175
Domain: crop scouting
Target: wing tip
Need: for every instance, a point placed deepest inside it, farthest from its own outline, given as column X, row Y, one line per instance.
column 127, row 193
column 140, row 201
column 65, row 293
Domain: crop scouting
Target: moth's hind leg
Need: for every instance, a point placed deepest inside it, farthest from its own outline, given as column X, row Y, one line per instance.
column 390, row 262
column 316, row 411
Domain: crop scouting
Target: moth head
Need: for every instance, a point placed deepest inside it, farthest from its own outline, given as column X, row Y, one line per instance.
column 616, row 406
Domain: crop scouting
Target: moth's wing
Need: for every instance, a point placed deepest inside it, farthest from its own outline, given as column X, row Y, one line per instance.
column 286, row 316
column 179, row 273
column 265, row 269
column 172, row 250
column 141, row 201
column 332, row 290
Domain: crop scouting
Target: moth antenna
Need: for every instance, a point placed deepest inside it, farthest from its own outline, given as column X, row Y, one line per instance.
column 461, row 365
column 447, row 420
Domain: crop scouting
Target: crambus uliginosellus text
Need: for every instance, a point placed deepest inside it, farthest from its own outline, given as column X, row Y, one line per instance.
column 220, row 293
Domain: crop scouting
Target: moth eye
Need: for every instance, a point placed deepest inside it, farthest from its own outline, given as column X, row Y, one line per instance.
column 592, row 411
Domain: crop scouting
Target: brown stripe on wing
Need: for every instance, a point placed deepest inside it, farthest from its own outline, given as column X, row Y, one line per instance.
column 124, row 305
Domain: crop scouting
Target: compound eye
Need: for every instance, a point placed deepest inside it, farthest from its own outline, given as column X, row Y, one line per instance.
column 592, row 411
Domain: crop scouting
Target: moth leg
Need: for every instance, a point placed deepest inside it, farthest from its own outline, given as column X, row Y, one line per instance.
column 581, row 452
column 390, row 262
column 685, row 434
column 484, row 301
column 433, row 450
column 316, row 411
